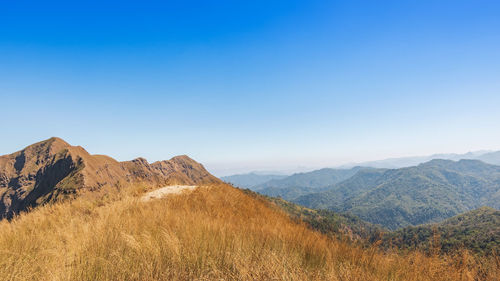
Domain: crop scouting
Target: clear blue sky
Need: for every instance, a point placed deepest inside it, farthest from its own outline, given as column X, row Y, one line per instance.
column 248, row 85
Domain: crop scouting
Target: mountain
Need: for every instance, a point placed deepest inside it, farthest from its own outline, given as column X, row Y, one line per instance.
column 335, row 195
column 477, row 231
column 401, row 162
column 429, row 192
column 251, row 180
column 52, row 169
column 304, row 183
column 289, row 193
column 492, row 158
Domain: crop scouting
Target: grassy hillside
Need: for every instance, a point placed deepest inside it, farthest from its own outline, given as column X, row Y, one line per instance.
column 430, row 192
column 213, row 233
column 477, row 230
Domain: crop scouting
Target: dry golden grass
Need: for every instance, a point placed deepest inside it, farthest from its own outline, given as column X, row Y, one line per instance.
column 213, row 233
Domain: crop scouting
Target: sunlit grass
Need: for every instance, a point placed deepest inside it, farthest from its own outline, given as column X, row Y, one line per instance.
column 213, row 233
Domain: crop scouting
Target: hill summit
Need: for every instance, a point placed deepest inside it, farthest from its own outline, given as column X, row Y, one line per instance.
column 53, row 169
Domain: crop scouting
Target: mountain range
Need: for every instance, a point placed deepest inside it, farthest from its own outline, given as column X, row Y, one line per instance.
column 490, row 157
column 300, row 184
column 251, row 180
column 51, row 170
column 291, row 186
column 429, row 192
column 255, row 181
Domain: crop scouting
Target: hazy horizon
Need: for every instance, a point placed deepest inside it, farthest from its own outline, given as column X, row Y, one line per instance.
column 274, row 166
column 252, row 86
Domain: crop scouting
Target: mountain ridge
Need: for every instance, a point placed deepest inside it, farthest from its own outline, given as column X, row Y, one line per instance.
column 300, row 184
column 429, row 192
column 488, row 156
column 251, row 180
column 53, row 169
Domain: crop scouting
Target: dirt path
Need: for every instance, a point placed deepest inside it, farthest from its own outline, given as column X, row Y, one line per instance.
column 164, row 191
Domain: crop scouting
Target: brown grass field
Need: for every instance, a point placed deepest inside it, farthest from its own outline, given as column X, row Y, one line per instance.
column 212, row 233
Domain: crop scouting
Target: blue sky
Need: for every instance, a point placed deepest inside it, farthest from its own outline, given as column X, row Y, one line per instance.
column 252, row 85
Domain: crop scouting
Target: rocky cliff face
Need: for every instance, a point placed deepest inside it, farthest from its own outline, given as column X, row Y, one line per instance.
column 53, row 169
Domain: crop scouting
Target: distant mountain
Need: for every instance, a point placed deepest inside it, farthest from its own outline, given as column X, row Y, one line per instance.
column 304, row 183
column 491, row 158
column 52, row 169
column 335, row 195
column 289, row 193
column 429, row 192
column 250, row 180
column 477, row 230
column 401, row 162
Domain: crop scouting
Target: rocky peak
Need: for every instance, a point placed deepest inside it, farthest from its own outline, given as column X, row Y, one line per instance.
column 51, row 169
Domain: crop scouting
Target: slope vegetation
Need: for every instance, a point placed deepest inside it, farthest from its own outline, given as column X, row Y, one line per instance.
column 477, row 230
column 213, row 233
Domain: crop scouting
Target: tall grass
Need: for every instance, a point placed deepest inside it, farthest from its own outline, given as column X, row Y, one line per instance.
column 213, row 233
